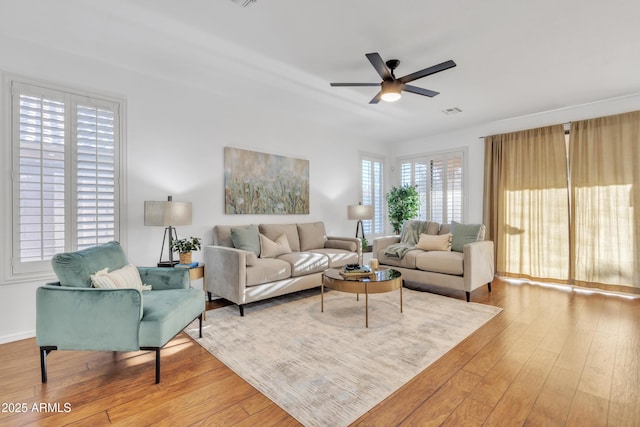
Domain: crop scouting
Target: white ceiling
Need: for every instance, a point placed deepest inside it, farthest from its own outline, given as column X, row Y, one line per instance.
column 514, row 57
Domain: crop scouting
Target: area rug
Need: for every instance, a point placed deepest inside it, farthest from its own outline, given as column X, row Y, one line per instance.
column 327, row 369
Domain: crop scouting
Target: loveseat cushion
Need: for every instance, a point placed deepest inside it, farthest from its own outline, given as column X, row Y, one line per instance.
column 303, row 263
column 465, row 233
column 338, row 257
column 407, row 261
column 273, row 231
column 312, row 235
column 267, row 270
column 166, row 312
column 441, row 262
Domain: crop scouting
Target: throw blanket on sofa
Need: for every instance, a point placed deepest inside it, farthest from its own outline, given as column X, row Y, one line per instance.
column 409, row 237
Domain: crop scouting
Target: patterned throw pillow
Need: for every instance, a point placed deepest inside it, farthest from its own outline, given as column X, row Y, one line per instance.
column 126, row 277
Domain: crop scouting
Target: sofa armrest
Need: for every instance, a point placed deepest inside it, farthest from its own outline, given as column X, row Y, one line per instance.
column 226, row 272
column 381, row 243
column 161, row 278
column 88, row 319
column 478, row 266
column 344, row 242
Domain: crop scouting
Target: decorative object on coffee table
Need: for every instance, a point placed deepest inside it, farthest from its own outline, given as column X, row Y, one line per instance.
column 167, row 214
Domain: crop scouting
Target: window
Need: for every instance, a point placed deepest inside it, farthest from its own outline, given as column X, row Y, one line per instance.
column 372, row 177
column 439, row 179
column 65, row 153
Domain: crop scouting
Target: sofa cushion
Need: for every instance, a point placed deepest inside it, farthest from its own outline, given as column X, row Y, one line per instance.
column 75, row 268
column 465, row 233
column 273, row 231
column 126, row 277
column 338, row 257
column 246, row 238
column 267, row 270
column 407, row 261
column 303, row 263
column 312, row 235
column 441, row 262
column 271, row 249
column 428, row 242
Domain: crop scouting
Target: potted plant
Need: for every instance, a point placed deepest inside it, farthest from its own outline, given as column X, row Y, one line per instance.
column 185, row 247
column 403, row 203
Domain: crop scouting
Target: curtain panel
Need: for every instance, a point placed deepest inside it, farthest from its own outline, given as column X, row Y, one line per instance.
column 526, row 203
column 604, row 158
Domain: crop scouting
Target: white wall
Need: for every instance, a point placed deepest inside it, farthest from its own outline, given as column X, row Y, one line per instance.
column 471, row 138
column 175, row 139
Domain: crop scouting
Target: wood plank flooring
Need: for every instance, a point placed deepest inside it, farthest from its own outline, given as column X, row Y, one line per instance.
column 553, row 357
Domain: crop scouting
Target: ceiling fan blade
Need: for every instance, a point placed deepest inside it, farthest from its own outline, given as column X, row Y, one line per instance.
column 419, row 90
column 379, row 65
column 427, row 71
column 354, row 84
column 376, row 98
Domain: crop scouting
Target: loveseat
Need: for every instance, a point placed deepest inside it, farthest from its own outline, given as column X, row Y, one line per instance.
column 453, row 255
column 101, row 302
column 254, row 262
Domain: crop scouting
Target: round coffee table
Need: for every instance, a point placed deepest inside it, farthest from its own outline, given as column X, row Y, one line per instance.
column 384, row 280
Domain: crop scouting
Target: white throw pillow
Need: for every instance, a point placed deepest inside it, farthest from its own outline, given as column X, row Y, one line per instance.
column 429, row 242
column 127, row 277
column 271, row 249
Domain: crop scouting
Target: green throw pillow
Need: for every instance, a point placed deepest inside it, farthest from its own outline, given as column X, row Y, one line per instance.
column 246, row 238
column 463, row 234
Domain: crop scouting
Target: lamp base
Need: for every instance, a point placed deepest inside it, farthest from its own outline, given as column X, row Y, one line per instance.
column 167, row 263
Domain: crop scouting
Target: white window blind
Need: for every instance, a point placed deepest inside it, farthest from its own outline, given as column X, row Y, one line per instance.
column 372, row 188
column 65, row 174
column 439, row 179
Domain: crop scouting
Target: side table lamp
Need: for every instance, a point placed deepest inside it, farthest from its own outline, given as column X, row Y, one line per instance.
column 167, row 214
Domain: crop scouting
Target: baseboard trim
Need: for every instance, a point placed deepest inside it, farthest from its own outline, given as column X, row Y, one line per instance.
column 17, row 337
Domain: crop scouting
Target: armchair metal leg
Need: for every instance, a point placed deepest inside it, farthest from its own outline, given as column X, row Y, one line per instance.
column 468, row 296
column 43, row 360
column 241, row 307
column 200, row 318
column 157, row 350
column 489, row 286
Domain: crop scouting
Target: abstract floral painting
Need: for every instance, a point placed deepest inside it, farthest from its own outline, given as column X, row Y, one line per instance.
column 260, row 183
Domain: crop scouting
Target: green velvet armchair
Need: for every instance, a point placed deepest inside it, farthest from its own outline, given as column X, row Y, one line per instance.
column 73, row 315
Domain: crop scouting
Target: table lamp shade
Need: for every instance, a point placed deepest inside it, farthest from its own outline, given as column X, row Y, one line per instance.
column 167, row 213
column 360, row 212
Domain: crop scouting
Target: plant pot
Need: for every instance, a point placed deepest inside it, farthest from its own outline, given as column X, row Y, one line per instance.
column 185, row 257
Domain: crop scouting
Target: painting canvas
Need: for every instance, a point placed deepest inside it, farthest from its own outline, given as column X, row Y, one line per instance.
column 260, row 183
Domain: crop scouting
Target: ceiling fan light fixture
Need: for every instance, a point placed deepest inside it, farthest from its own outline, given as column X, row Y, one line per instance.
column 391, row 91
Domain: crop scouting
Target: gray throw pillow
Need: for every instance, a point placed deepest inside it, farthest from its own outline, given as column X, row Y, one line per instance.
column 463, row 234
column 246, row 238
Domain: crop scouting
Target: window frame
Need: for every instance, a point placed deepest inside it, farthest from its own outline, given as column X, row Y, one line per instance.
column 437, row 155
column 14, row 271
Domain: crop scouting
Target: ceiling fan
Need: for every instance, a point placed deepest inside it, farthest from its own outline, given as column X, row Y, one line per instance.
column 392, row 86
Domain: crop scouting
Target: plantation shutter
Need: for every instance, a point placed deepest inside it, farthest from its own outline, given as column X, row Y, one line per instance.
column 373, row 194
column 65, row 151
column 95, row 175
column 40, row 173
column 439, row 180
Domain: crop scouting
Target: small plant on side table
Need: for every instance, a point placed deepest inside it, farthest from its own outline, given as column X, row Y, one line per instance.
column 185, row 247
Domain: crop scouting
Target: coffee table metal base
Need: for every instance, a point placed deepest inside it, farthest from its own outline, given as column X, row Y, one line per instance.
column 361, row 286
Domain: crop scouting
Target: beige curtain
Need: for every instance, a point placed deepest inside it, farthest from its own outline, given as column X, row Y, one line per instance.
column 604, row 158
column 526, row 203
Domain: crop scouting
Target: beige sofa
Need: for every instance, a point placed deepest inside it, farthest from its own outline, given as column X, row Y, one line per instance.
column 465, row 269
column 237, row 271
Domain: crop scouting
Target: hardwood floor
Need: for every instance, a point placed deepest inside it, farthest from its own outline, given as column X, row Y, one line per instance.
column 552, row 357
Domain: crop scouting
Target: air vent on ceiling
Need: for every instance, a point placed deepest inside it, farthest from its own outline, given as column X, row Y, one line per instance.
column 244, row 3
column 453, row 110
